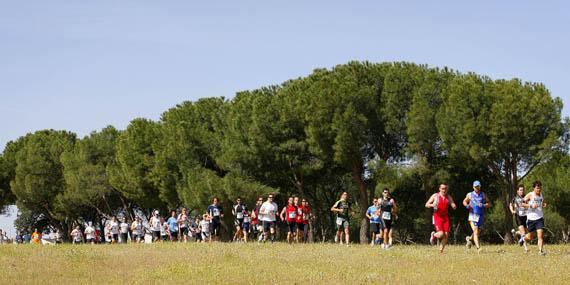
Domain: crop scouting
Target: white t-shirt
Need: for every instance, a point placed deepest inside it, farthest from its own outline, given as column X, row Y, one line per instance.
column 155, row 223
column 163, row 229
column 114, row 228
column 183, row 218
column 124, row 228
column 76, row 234
column 268, row 211
column 535, row 214
column 89, row 232
column 137, row 228
column 205, row 225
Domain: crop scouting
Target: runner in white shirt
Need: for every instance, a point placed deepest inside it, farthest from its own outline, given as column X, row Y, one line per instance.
column 155, row 225
column 268, row 216
column 124, row 230
column 205, row 228
column 136, row 229
column 76, row 235
column 183, row 225
column 534, row 201
column 164, row 231
column 90, row 233
column 114, row 229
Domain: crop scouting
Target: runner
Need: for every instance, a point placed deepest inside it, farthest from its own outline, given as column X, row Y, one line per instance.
column 216, row 213
column 257, row 227
column 136, row 228
column 307, row 218
column 373, row 215
column 114, row 230
column 268, row 216
column 342, row 209
column 246, row 224
column 299, row 220
column 389, row 209
column 155, row 225
column 440, row 203
column 183, row 224
column 164, row 230
column 195, row 229
column 476, row 202
column 76, row 235
column 289, row 215
column 534, row 201
column 237, row 211
column 519, row 211
column 124, row 229
column 205, row 228
column 89, row 233
column 173, row 226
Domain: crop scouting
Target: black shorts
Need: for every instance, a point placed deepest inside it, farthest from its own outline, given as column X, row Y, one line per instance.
column 375, row 228
column 184, row 231
column 238, row 223
column 245, row 227
column 268, row 225
column 215, row 228
column 173, row 234
column 292, row 226
column 520, row 220
column 115, row 237
column 300, row 226
column 535, row 225
column 124, row 237
column 387, row 224
column 89, row 240
column 164, row 237
column 156, row 234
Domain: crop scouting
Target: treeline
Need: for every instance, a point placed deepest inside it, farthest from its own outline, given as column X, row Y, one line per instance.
column 357, row 127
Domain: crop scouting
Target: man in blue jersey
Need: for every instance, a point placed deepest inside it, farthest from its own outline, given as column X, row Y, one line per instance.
column 476, row 202
column 216, row 214
column 373, row 214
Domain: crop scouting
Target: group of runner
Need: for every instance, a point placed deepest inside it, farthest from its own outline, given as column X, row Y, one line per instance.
column 527, row 209
column 260, row 222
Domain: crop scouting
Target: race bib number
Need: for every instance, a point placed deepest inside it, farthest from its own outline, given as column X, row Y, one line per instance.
column 246, row 219
column 386, row 215
column 339, row 221
column 292, row 215
column 474, row 217
column 216, row 212
column 239, row 215
column 522, row 213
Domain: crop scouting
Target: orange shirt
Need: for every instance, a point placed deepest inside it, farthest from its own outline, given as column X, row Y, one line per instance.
column 36, row 238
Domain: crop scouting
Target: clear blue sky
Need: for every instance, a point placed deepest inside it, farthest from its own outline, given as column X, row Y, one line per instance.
column 82, row 65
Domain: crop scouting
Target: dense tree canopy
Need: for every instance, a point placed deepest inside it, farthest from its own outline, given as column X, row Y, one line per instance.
column 356, row 127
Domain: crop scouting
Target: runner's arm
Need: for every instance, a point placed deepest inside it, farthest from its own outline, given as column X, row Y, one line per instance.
column 367, row 215
column 512, row 208
column 334, row 208
column 466, row 201
column 487, row 204
column 453, row 206
column 282, row 214
column 526, row 200
column 395, row 208
column 429, row 203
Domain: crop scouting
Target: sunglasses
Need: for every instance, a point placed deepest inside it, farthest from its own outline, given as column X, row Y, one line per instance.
column 270, row 197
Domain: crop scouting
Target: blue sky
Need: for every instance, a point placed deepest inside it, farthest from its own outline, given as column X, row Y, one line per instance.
column 82, row 65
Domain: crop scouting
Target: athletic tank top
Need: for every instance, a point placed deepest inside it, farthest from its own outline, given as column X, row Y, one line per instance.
column 442, row 203
column 535, row 214
column 517, row 202
column 291, row 213
column 477, row 202
column 386, row 209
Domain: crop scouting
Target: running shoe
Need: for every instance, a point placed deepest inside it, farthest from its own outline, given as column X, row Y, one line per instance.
column 542, row 253
column 432, row 238
column 469, row 242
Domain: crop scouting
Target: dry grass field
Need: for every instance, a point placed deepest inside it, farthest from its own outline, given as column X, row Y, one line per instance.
column 279, row 263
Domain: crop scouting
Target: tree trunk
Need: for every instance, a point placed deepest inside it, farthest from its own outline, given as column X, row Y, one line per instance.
column 362, row 200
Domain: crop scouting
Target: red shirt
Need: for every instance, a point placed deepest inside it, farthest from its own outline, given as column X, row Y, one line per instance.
column 299, row 218
column 291, row 213
column 306, row 214
column 442, row 205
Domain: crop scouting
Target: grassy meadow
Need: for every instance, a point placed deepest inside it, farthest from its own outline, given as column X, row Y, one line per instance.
column 226, row 263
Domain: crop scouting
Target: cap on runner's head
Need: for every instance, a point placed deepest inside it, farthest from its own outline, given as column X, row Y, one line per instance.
column 476, row 183
column 156, row 212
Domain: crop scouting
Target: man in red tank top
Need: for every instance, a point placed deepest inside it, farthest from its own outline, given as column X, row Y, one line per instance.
column 440, row 203
column 289, row 214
